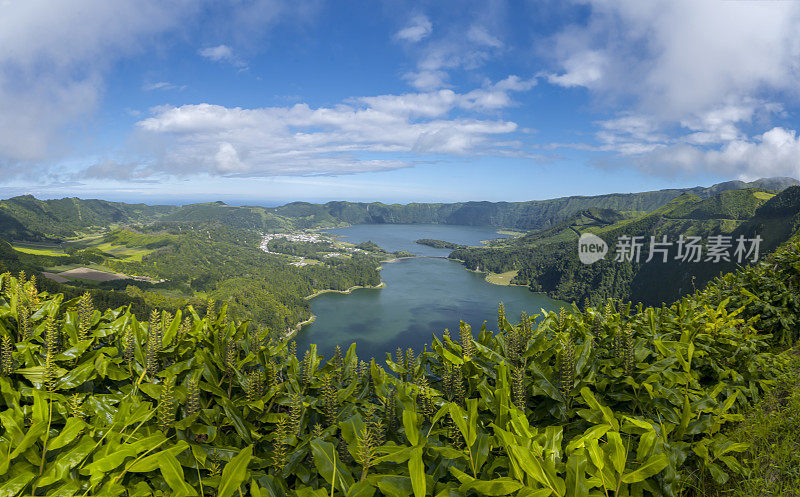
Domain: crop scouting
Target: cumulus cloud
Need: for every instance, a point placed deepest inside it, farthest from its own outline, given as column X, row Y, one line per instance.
column 355, row 136
column 691, row 77
column 584, row 68
column 711, row 141
column 419, row 28
column 677, row 56
column 773, row 153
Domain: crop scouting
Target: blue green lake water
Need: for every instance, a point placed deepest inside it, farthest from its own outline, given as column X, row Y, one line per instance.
column 422, row 296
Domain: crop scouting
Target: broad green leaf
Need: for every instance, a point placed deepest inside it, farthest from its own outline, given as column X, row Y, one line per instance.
column 235, row 472
column 13, row 485
column 116, row 457
column 150, row 462
column 325, row 459
column 651, row 467
column 394, row 486
column 411, row 426
column 593, row 433
column 472, row 421
column 64, row 462
column 36, row 430
column 577, row 484
column 172, row 471
column 69, row 433
column 498, row 486
column 460, row 419
column 416, row 469
column 617, row 452
column 593, row 403
column 530, row 492
column 361, row 489
column 595, row 454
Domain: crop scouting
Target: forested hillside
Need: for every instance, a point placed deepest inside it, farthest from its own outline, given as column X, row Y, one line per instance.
column 520, row 215
column 30, row 219
column 227, row 264
column 249, row 218
column 612, row 400
column 548, row 261
column 190, row 263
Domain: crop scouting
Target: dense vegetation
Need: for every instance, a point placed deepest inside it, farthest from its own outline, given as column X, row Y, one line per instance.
column 615, row 400
column 226, row 264
column 204, row 260
column 104, row 298
column 521, row 215
column 547, row 260
column 27, row 218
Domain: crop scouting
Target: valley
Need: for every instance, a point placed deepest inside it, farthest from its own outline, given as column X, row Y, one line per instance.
column 265, row 262
column 414, row 327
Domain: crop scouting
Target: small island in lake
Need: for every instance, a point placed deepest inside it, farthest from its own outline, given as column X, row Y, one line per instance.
column 439, row 244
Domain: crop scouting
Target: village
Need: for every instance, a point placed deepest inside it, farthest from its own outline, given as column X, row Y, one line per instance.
column 338, row 248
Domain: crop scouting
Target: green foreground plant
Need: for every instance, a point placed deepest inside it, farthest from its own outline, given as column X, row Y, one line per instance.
column 611, row 401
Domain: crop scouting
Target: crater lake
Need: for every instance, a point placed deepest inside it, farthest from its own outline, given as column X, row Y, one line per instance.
column 423, row 295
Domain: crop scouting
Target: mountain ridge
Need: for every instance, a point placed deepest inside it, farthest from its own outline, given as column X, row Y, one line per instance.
column 27, row 218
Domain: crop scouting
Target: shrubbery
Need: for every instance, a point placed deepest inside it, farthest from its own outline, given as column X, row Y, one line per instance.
column 629, row 400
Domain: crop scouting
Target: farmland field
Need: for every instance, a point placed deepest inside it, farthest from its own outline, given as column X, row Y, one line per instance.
column 118, row 251
column 39, row 249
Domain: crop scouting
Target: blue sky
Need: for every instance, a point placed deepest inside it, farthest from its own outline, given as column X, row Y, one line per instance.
column 268, row 101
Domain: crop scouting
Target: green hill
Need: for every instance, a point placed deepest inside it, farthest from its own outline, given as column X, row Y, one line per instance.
column 547, row 260
column 249, row 218
column 520, row 215
column 65, row 217
column 732, row 204
column 27, row 218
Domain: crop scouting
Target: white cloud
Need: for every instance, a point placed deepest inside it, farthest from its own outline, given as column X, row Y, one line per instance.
column 679, row 56
column 464, row 44
column 419, row 27
column 51, row 71
column 162, row 85
column 427, row 80
column 480, row 35
column 692, row 79
column 55, row 57
column 221, row 53
column 440, row 57
column 348, row 138
column 773, row 153
column 218, row 53
column 431, row 104
column 584, row 68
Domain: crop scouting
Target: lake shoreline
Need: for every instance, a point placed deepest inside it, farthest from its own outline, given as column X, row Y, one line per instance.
column 349, row 290
column 487, row 274
column 293, row 331
column 421, row 295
